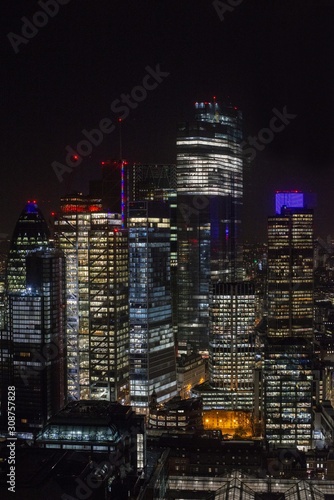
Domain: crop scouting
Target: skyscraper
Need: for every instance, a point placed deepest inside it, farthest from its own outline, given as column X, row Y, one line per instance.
column 209, row 188
column 152, row 348
column 288, row 351
column 231, row 352
column 150, row 182
column 96, row 252
column 31, row 231
column 232, row 345
column 290, row 273
column 112, row 188
column 36, row 357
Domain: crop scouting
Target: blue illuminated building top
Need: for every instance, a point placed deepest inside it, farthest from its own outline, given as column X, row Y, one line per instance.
column 288, row 199
column 31, row 207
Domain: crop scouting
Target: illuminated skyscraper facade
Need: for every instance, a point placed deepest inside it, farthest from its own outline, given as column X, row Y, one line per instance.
column 96, row 251
column 232, row 346
column 290, row 274
column 30, row 232
column 288, row 357
column 150, row 182
column 288, row 392
column 209, row 188
column 152, row 347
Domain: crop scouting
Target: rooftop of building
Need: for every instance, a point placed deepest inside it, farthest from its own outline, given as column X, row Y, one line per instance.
column 206, row 442
column 92, row 411
column 177, row 403
column 58, row 474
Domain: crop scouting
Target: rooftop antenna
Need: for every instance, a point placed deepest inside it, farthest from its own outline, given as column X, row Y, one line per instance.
column 120, row 138
column 122, row 165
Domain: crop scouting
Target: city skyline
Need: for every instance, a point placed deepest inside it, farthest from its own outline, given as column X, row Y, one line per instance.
column 166, row 294
column 276, row 57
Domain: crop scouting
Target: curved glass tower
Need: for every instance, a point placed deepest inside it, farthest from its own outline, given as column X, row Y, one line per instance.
column 209, row 191
column 31, row 232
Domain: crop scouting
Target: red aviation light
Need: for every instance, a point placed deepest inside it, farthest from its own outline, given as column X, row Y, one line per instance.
column 105, row 163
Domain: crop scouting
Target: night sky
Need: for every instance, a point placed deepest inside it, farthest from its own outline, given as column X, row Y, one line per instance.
column 265, row 54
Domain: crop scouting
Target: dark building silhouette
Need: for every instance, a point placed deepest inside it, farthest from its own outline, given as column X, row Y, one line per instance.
column 34, row 361
column 112, row 187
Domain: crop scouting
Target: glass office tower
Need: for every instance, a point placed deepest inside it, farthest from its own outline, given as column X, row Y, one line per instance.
column 288, row 357
column 30, row 232
column 157, row 182
column 152, row 348
column 150, row 182
column 209, row 189
column 290, row 274
column 36, row 334
column 96, row 251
